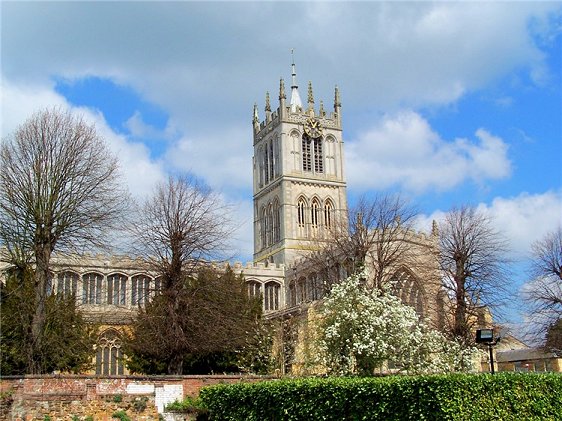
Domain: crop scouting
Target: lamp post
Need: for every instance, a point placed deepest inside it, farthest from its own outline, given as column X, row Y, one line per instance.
column 486, row 336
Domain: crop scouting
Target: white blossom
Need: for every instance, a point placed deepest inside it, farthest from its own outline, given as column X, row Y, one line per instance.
column 362, row 330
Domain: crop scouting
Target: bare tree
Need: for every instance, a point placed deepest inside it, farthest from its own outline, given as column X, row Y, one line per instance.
column 473, row 259
column 544, row 293
column 59, row 190
column 376, row 236
column 182, row 225
column 180, row 228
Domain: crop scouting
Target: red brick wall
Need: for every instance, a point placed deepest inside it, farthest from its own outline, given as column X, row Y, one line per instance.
column 62, row 397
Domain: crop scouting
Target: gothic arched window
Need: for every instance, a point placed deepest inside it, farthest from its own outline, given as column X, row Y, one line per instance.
column 116, row 289
column 140, row 290
column 272, row 162
column 328, row 213
column 306, row 154
column 263, row 227
column 301, row 290
column 292, row 293
column 109, row 357
column 270, row 227
column 91, row 288
column 314, row 213
column 254, row 288
column 271, row 296
column 318, row 156
column 276, row 222
column 67, row 284
column 301, row 215
column 408, row 289
column 276, row 157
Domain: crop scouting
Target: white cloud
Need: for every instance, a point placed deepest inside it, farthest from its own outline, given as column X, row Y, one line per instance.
column 223, row 157
column 403, row 150
column 19, row 102
column 522, row 219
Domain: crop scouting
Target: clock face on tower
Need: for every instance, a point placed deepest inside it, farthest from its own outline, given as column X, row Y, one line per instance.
column 312, row 127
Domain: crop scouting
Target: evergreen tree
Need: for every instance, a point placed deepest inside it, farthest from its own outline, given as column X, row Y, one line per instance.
column 66, row 339
column 207, row 318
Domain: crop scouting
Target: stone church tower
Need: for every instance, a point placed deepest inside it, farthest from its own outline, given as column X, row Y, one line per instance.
column 299, row 175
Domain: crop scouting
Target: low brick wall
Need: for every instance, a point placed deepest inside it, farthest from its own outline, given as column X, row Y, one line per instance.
column 68, row 397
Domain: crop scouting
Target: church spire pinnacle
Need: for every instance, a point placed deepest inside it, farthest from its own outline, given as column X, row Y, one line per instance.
column 267, row 103
column 310, row 98
column 296, row 102
column 282, row 89
column 267, row 108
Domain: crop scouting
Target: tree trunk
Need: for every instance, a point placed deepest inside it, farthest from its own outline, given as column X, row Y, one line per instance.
column 175, row 366
column 42, row 257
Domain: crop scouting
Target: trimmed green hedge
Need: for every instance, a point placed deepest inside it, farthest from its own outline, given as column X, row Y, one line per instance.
column 505, row 396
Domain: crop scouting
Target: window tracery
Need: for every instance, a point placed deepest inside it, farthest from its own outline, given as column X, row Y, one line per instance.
column 109, row 356
column 408, row 289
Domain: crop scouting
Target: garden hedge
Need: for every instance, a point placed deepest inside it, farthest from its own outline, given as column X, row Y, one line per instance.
column 505, row 396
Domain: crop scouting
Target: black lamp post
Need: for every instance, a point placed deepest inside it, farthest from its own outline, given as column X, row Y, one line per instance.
column 486, row 336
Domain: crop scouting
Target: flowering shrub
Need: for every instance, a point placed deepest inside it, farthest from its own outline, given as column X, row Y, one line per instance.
column 361, row 330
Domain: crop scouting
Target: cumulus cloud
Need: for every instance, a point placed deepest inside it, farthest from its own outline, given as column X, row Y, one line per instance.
column 403, row 150
column 20, row 101
column 223, row 157
column 522, row 219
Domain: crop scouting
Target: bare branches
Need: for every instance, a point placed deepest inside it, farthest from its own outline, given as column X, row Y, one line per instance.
column 544, row 293
column 377, row 236
column 59, row 186
column 59, row 190
column 474, row 264
column 182, row 225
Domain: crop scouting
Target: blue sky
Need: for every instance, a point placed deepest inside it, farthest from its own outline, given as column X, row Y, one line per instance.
column 448, row 103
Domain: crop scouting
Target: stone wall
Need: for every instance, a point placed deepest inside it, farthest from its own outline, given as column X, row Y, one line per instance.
column 97, row 398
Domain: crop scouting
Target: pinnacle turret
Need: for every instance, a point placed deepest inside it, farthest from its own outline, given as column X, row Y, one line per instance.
column 310, row 98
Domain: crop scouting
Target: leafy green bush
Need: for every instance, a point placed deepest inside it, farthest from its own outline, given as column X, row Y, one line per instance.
column 121, row 415
column 463, row 397
column 189, row 405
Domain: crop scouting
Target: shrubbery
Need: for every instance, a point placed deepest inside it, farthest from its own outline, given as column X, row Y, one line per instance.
column 506, row 396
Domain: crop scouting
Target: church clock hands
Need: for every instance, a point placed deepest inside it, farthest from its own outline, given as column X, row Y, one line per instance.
column 312, row 128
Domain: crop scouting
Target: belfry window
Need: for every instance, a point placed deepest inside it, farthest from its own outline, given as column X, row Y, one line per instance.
column 276, row 222
column 318, row 158
column 306, row 155
column 266, row 164
column 270, row 228
column 263, row 228
column 312, row 151
column 272, row 162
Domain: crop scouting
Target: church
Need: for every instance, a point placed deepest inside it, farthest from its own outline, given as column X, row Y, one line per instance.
column 299, row 195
